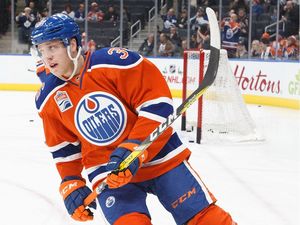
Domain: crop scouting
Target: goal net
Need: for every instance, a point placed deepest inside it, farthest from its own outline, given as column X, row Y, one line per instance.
column 221, row 114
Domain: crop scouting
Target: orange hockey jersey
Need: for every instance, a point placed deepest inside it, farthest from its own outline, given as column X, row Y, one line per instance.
column 118, row 95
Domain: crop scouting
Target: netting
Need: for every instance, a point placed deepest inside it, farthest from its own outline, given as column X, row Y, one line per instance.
column 224, row 114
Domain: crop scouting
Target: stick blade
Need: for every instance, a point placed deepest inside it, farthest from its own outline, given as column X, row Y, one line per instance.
column 214, row 28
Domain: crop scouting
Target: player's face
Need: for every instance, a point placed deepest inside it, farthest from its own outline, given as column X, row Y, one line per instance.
column 54, row 54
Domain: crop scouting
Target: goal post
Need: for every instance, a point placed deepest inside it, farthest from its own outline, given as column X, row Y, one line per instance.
column 221, row 114
column 195, row 77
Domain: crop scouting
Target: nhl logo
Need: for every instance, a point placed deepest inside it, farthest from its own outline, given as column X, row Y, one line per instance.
column 63, row 101
column 172, row 68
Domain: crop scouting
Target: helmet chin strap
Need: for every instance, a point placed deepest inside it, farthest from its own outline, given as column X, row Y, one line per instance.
column 74, row 60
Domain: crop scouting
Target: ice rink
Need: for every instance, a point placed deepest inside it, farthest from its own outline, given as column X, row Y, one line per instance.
column 258, row 183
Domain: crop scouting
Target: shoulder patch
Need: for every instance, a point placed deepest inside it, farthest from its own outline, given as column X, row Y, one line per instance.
column 63, row 101
column 49, row 86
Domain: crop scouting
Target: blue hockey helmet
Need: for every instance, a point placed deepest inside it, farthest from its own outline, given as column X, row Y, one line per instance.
column 56, row 27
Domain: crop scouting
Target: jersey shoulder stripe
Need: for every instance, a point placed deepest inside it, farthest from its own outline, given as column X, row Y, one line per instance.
column 119, row 58
column 161, row 109
column 49, row 86
column 154, row 102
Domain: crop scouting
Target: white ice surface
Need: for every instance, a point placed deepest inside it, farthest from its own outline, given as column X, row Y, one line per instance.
column 258, row 183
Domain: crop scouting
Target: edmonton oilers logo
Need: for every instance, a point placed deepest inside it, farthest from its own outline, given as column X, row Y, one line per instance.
column 100, row 118
column 110, row 201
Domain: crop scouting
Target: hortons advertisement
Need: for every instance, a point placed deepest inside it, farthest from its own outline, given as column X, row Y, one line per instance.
column 272, row 83
column 260, row 82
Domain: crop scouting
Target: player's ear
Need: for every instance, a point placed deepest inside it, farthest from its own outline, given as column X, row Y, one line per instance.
column 73, row 45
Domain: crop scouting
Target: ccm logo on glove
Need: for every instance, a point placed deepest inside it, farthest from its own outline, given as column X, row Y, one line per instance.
column 74, row 191
column 69, row 187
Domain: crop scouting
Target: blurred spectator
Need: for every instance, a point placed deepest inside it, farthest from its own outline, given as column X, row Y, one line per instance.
column 235, row 5
column 291, row 50
column 95, row 14
column 193, row 42
column 80, row 13
column 26, row 22
column 291, row 18
column 183, row 47
column 231, row 11
column 298, row 47
column 91, row 44
column 257, row 7
column 203, row 39
column 199, row 19
column 227, row 17
column 39, row 5
column 83, row 41
column 181, row 5
column 265, row 38
column 126, row 14
column 166, row 48
column 33, row 8
column 207, row 3
column 111, row 14
column 277, row 46
column 230, row 35
column 243, row 22
column 170, row 20
column 255, row 49
column 69, row 11
column 182, row 21
column 266, row 52
column 146, row 49
column 44, row 13
column 267, row 6
column 241, row 51
column 4, row 16
column 273, row 15
column 174, row 37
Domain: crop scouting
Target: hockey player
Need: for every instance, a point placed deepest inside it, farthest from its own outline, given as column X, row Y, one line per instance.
column 95, row 109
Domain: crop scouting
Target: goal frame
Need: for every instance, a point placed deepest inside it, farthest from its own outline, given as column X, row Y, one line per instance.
column 224, row 97
column 184, row 92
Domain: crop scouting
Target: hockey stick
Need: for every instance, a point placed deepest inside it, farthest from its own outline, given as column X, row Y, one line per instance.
column 31, row 70
column 209, row 78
